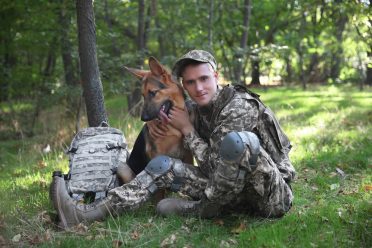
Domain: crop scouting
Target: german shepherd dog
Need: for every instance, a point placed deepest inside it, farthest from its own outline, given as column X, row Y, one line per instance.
column 160, row 92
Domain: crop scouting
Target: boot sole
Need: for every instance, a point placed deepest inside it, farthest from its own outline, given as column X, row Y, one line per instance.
column 56, row 200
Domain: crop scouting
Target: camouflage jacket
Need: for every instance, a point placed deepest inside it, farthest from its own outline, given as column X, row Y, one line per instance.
column 239, row 113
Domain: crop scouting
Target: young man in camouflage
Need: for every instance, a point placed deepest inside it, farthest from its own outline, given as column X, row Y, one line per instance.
column 241, row 152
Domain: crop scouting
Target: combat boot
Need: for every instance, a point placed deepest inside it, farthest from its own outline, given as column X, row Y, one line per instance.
column 176, row 206
column 70, row 212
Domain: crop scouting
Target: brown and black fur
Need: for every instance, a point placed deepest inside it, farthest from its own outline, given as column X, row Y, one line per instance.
column 159, row 89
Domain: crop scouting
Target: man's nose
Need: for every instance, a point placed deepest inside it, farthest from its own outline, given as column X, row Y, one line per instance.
column 198, row 86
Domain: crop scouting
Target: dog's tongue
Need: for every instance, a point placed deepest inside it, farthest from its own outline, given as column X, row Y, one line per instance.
column 162, row 115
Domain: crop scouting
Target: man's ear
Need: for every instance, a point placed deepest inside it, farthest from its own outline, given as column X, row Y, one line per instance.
column 136, row 72
column 216, row 74
column 156, row 68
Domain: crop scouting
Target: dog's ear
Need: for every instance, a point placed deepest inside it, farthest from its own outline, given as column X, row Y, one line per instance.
column 156, row 68
column 136, row 72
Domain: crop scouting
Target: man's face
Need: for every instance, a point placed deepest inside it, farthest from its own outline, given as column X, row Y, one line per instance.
column 200, row 81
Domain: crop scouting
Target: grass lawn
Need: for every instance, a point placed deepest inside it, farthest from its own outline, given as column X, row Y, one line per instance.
column 330, row 128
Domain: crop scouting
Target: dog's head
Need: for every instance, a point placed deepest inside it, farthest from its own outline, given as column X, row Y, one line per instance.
column 160, row 90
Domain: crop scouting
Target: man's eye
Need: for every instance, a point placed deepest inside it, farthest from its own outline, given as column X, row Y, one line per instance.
column 204, row 78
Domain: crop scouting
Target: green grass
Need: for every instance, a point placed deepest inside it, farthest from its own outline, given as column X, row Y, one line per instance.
column 330, row 128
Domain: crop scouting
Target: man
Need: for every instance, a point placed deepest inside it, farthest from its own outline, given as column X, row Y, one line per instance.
column 241, row 152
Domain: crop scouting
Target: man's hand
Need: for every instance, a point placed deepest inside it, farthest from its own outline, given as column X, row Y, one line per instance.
column 179, row 119
column 157, row 129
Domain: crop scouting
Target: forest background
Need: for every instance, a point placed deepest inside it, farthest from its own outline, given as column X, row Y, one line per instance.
column 310, row 60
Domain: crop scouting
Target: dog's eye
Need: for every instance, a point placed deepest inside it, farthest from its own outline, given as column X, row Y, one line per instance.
column 152, row 93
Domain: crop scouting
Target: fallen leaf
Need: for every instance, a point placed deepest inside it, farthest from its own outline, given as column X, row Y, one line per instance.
column 36, row 240
column 80, row 228
column 16, row 238
column 44, row 217
column 367, row 187
column 135, row 235
column 333, row 174
column 117, row 243
column 239, row 229
column 147, row 225
column 219, row 222
column 43, row 183
column 42, row 164
column 171, row 240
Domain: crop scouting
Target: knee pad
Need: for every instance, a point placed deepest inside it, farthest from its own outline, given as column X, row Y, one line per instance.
column 159, row 166
column 234, row 144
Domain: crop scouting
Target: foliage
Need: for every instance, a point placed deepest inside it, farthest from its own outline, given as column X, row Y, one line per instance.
column 331, row 37
column 329, row 127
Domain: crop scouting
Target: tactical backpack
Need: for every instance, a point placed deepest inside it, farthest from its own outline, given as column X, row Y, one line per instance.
column 94, row 156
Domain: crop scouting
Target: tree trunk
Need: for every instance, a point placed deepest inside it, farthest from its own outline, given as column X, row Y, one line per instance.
column 66, row 47
column 210, row 25
column 135, row 97
column 369, row 70
column 337, row 53
column 9, row 61
column 255, row 73
column 108, row 20
column 141, row 30
column 92, row 86
column 238, row 60
column 301, row 54
column 41, row 92
column 288, row 69
column 154, row 4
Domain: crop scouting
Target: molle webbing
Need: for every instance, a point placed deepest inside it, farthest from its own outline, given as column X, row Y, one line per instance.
column 94, row 157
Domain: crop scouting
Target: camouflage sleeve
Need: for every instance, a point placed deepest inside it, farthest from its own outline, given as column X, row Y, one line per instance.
column 198, row 147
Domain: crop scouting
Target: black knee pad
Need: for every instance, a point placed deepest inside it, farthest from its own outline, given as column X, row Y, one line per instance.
column 234, row 144
column 159, row 165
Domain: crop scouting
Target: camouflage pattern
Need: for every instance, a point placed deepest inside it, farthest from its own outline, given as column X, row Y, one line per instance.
column 196, row 55
column 95, row 153
column 229, row 186
column 133, row 194
column 265, row 188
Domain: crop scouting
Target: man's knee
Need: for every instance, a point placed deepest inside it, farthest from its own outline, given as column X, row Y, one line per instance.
column 235, row 144
column 161, row 165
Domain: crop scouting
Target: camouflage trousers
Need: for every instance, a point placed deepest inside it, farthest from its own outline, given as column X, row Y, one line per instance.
column 262, row 191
